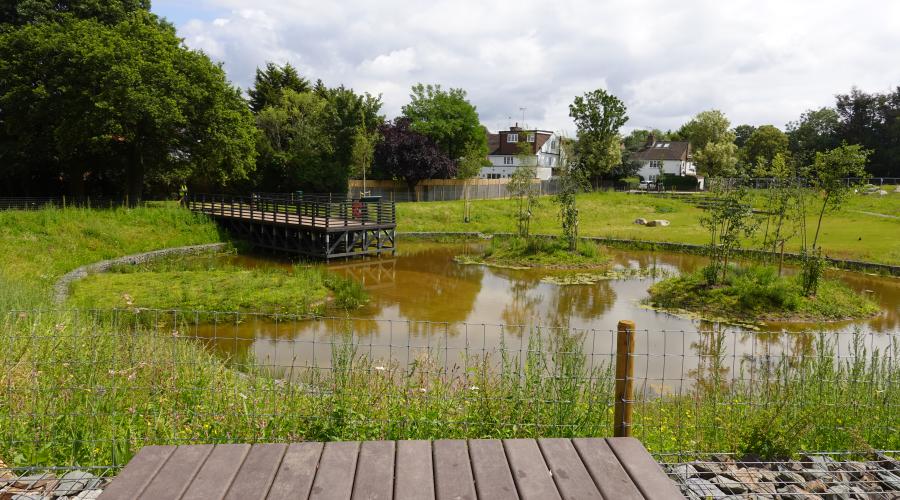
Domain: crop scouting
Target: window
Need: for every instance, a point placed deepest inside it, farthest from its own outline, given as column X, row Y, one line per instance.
column 554, row 145
column 529, row 137
column 509, row 160
column 511, row 138
column 656, row 163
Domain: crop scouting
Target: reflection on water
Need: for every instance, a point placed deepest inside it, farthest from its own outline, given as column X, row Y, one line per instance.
column 423, row 302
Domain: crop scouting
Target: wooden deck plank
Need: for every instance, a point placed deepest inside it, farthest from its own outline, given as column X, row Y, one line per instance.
column 337, row 468
column 138, row 473
column 646, row 474
column 215, row 477
column 255, row 476
column 615, row 468
column 452, row 471
column 297, row 471
column 413, row 473
column 533, row 479
column 568, row 471
column 604, row 468
column 375, row 471
column 490, row 469
column 176, row 475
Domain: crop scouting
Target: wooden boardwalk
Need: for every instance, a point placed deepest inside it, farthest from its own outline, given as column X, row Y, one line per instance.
column 325, row 227
column 589, row 468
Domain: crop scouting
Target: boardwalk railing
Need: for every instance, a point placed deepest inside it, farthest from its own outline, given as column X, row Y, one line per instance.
column 318, row 211
column 92, row 387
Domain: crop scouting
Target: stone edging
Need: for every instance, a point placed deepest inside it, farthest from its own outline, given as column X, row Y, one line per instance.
column 61, row 287
column 851, row 265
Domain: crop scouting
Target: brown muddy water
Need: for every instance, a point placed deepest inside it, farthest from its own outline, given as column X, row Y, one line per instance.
column 422, row 303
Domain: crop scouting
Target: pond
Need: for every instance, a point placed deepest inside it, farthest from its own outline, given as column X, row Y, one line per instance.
column 422, row 301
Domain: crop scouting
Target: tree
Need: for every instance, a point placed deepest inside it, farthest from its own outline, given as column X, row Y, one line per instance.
column 353, row 114
column 363, row 153
column 521, row 187
column 24, row 12
column 271, row 82
column 638, row 139
column 873, row 121
column 315, row 139
column 781, row 198
column 126, row 101
column 765, row 142
column 742, row 133
column 406, row 154
column 598, row 116
column 296, row 148
column 713, row 142
column 828, row 177
column 816, row 131
column 728, row 219
column 448, row 118
column 571, row 182
column 707, row 127
column 468, row 167
column 717, row 159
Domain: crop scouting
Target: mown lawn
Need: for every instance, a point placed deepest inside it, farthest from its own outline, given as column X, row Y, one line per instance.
column 848, row 234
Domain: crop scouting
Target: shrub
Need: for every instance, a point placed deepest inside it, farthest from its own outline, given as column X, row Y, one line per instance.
column 679, row 182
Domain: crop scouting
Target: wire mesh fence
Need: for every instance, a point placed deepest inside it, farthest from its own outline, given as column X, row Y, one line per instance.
column 90, row 388
column 813, row 475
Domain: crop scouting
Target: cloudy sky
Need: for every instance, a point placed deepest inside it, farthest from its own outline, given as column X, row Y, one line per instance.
column 759, row 61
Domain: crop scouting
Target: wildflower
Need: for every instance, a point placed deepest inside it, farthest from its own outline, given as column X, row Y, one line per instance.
column 379, row 368
column 474, row 388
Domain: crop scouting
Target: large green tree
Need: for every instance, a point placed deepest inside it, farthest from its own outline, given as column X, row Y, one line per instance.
column 816, row 131
column 712, row 141
column 763, row 144
column 271, row 82
column 742, row 133
column 598, row 116
column 315, row 138
column 296, row 146
column 873, row 121
column 448, row 118
column 81, row 97
column 22, row 12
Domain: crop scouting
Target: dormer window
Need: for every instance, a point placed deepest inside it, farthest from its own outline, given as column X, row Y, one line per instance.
column 529, row 137
column 512, row 138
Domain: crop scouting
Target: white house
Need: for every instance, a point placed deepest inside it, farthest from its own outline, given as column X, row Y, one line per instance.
column 505, row 152
column 669, row 157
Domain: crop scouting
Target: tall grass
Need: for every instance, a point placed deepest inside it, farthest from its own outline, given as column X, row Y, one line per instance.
column 92, row 389
column 38, row 247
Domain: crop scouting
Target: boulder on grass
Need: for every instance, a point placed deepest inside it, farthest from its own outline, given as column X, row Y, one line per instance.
column 658, row 223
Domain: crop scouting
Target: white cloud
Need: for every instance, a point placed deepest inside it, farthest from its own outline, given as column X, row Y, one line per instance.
column 759, row 61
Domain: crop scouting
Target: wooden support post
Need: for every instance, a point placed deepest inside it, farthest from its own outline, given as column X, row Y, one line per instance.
column 624, row 379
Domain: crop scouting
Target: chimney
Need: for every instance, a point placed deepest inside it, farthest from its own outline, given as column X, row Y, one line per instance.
column 651, row 140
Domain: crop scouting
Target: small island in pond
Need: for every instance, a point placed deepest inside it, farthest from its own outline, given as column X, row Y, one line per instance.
column 536, row 252
column 757, row 294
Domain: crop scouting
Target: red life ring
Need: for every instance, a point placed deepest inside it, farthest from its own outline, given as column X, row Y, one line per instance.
column 357, row 210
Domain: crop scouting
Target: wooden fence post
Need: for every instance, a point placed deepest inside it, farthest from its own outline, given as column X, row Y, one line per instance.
column 624, row 379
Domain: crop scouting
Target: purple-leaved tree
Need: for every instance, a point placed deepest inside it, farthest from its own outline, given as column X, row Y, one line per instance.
column 406, row 154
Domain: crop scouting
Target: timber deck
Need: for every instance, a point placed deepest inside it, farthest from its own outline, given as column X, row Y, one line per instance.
column 589, row 468
column 317, row 226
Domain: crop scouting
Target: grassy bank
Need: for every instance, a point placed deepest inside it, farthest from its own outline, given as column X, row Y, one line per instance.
column 302, row 290
column 38, row 247
column 848, row 234
column 537, row 253
column 756, row 293
column 99, row 390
